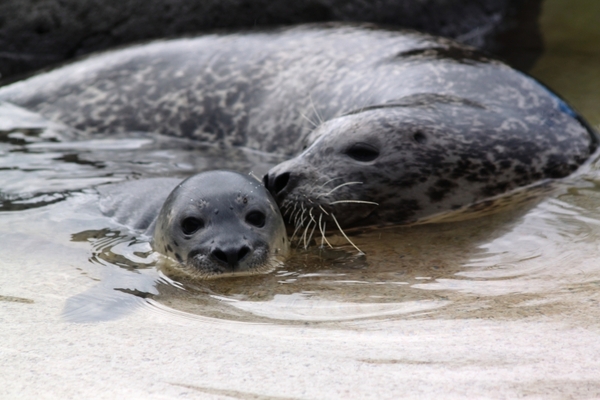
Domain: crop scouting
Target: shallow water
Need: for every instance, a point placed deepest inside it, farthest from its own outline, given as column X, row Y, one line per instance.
column 506, row 305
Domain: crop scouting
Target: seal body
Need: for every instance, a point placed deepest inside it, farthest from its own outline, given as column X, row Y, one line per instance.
column 213, row 223
column 396, row 126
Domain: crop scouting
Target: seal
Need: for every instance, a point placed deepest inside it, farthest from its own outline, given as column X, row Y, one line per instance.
column 382, row 127
column 214, row 223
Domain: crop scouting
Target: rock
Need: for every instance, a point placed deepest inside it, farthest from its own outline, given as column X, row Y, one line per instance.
column 38, row 33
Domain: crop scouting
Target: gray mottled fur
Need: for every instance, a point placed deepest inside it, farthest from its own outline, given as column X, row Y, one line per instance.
column 487, row 128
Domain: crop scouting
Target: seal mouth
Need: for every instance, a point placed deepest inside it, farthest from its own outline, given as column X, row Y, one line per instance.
column 205, row 264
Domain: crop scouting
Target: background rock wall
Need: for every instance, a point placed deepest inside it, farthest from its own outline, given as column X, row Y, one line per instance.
column 38, row 33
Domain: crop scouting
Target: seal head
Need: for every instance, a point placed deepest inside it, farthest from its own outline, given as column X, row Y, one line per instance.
column 421, row 156
column 221, row 222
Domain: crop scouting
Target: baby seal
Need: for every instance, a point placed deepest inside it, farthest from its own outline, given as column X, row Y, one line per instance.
column 213, row 223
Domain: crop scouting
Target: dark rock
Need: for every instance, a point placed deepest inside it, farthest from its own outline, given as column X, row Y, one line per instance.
column 37, row 33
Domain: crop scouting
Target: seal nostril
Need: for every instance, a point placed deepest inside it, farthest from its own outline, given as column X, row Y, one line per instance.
column 220, row 255
column 281, row 182
column 244, row 251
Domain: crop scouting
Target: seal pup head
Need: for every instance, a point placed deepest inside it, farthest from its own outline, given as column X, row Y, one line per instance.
column 221, row 222
column 404, row 162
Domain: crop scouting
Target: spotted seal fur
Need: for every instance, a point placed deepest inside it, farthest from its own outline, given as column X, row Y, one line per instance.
column 396, row 126
column 212, row 224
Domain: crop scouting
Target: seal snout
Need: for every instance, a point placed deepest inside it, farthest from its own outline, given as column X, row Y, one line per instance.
column 280, row 182
column 230, row 257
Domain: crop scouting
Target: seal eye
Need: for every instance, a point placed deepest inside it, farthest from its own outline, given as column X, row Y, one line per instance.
column 256, row 218
column 191, row 225
column 362, row 152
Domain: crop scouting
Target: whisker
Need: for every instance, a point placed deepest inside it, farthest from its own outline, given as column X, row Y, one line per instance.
column 311, row 233
column 312, row 220
column 344, row 234
column 353, row 201
column 322, row 209
column 304, row 235
column 309, row 120
column 339, row 186
column 331, row 180
column 254, row 176
column 294, row 210
column 319, row 118
column 298, row 226
column 322, row 229
column 296, row 215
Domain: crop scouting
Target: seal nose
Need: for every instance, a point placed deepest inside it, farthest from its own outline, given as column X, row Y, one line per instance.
column 230, row 257
column 279, row 183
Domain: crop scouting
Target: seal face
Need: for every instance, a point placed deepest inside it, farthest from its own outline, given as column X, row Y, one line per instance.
column 212, row 223
column 429, row 154
column 221, row 222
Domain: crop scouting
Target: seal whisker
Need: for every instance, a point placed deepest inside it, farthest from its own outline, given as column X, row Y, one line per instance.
column 322, row 229
column 344, row 234
column 298, row 226
column 304, row 235
column 322, row 209
column 296, row 215
column 286, row 210
column 314, row 125
column 353, row 201
column 312, row 232
column 327, row 183
column 294, row 234
column 340, row 186
column 312, row 103
column 293, row 210
column 313, row 221
column 306, row 229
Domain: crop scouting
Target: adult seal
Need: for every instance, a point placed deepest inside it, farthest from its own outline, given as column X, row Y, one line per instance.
column 211, row 224
column 396, row 126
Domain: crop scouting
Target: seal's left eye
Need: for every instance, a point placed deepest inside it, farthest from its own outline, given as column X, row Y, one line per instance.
column 256, row 218
column 362, row 152
column 191, row 225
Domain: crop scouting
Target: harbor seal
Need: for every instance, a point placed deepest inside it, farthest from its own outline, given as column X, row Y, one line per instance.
column 381, row 126
column 212, row 224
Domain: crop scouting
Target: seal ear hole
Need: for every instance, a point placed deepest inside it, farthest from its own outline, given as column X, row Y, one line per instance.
column 363, row 152
column 191, row 225
column 256, row 218
column 420, row 137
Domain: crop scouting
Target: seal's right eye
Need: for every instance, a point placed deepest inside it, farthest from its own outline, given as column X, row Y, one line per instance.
column 191, row 225
column 362, row 152
column 256, row 218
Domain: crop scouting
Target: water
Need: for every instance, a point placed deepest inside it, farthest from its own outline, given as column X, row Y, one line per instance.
column 506, row 305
